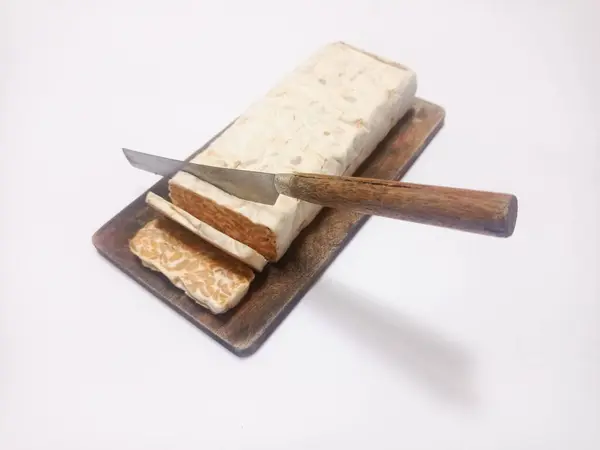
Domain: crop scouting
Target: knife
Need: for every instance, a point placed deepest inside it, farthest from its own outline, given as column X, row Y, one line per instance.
column 482, row 212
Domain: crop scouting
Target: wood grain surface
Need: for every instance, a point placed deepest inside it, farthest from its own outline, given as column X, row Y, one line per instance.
column 489, row 213
column 276, row 290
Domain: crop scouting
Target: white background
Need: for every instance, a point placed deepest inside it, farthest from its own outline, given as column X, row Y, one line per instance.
column 416, row 337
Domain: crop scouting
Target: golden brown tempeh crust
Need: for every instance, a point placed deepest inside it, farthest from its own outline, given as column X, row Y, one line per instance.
column 206, row 274
column 231, row 223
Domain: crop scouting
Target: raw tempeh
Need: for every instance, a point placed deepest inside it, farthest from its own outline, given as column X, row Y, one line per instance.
column 206, row 232
column 327, row 116
column 209, row 276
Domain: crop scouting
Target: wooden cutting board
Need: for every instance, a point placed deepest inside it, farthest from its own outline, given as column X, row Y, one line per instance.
column 276, row 290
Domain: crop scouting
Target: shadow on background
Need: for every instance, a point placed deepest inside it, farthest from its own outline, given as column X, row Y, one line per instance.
column 411, row 349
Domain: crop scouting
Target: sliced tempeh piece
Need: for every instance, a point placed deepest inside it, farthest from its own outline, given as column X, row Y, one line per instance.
column 327, row 116
column 206, row 232
column 208, row 275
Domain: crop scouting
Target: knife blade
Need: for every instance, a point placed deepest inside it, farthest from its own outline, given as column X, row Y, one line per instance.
column 245, row 184
column 482, row 212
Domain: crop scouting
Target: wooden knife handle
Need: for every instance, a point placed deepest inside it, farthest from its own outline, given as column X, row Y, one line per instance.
column 480, row 212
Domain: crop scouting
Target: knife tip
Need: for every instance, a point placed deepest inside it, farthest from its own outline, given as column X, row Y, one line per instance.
column 128, row 153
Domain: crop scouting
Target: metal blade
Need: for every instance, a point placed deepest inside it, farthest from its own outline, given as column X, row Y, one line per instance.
column 245, row 184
